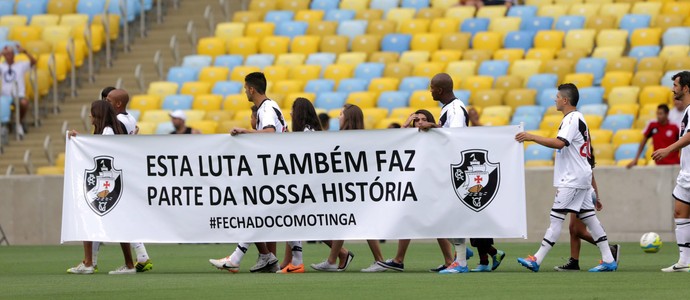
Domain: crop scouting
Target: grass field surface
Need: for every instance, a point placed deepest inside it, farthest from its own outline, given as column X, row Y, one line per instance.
column 183, row 272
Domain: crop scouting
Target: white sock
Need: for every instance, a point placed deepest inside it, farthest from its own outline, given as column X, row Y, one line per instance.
column 140, row 250
column 236, row 257
column 592, row 222
column 460, row 249
column 551, row 236
column 296, row 253
column 96, row 246
column 683, row 239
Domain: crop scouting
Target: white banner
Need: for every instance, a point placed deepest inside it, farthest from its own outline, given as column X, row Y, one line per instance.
column 374, row 184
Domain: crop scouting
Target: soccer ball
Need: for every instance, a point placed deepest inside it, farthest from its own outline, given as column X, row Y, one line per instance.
column 650, row 242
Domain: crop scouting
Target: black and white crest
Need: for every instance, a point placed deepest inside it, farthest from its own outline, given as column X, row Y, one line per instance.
column 102, row 185
column 475, row 179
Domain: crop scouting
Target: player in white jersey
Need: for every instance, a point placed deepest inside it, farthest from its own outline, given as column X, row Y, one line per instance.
column 572, row 176
column 269, row 119
column 681, row 193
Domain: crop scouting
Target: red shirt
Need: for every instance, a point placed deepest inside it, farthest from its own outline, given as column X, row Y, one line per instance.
column 662, row 137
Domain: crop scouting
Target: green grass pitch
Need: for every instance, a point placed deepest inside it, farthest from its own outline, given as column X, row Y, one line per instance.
column 183, row 272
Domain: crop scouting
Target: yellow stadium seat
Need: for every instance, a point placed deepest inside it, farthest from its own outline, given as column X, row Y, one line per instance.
column 487, row 40
column 368, row 43
column 571, row 54
column 305, row 72
column 647, row 111
column 593, row 121
column 645, row 37
column 428, row 69
column 195, row 88
column 354, row 4
column 665, row 21
column 384, row 84
column 552, row 111
column 627, row 136
column 369, row 14
column 676, row 8
column 492, row 11
column 44, row 20
column 238, row 73
column 493, row 121
column 97, row 35
column 674, row 51
column 414, row 57
column 535, row 163
column 61, row 64
column 247, row 16
column 525, row 68
column 381, row 27
column 584, row 9
column 625, row 162
column 503, row 111
column 213, row 74
column 145, row 102
column 623, row 95
column 400, row 14
column 243, row 117
column 580, row 39
column 677, row 63
column 477, row 83
column 293, row 5
column 236, row 103
column 384, row 57
column 581, row 80
column 386, row 122
column 79, row 49
column 543, row 54
column 61, row 7
column 650, row 64
column 477, row 55
column 147, row 127
column 624, row 64
column 443, row 4
column 275, row 45
column 624, row 109
column 276, row 73
column 642, row 121
column 211, row 46
column 260, row 29
column 74, row 20
column 24, row 34
column 308, row 15
column 552, row 39
column 334, row 44
column 243, row 46
column 372, row 116
column 229, row 30
column 263, row 5
column 422, row 99
column 162, row 88
column 615, row 79
column 444, row 25
column 414, row 26
column 44, row 83
column 549, row 122
column 204, row 126
column 322, row 28
column 425, row 42
column 460, row 13
column 646, row 78
column 600, row 137
column 362, row 99
column 288, row 86
column 338, row 72
column 508, row 83
column 608, row 52
column 402, row 112
column 456, row 41
column 647, row 8
column 290, row 59
column 446, row 56
column 219, row 115
column 486, row 98
column 207, row 102
column 113, row 21
column 462, row 69
column 555, row 11
column 351, row 58
column 228, row 125
column 560, row 67
column 519, row 97
column 397, row 70
column 617, row 10
column 290, row 99
column 13, row 20
column 612, row 38
column 654, row 94
column 503, row 25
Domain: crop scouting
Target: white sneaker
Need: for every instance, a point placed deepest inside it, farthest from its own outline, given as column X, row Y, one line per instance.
column 123, row 270
column 676, row 268
column 225, row 264
column 80, row 269
column 326, row 267
column 374, row 268
column 264, row 263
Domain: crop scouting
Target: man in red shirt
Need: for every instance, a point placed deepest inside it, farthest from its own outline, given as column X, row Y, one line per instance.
column 663, row 134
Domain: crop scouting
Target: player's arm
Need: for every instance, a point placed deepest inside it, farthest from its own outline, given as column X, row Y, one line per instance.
column 598, row 204
column 555, row 143
column 236, row 131
column 681, row 143
column 639, row 151
column 426, row 125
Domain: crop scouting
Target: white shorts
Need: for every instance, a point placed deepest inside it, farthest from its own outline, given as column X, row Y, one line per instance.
column 681, row 194
column 573, row 200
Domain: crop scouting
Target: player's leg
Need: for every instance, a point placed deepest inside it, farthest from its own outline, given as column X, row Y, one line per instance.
column 396, row 263
column 588, row 216
column 128, row 268
column 267, row 261
column 344, row 256
column 460, row 263
column 232, row 262
column 330, row 265
column 95, row 249
column 272, row 247
column 287, row 258
column 86, row 265
column 295, row 264
column 575, row 228
column 482, row 249
column 681, row 216
column 143, row 261
column 375, row 248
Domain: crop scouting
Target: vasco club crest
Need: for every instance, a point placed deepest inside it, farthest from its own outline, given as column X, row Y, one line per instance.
column 102, row 185
column 475, row 179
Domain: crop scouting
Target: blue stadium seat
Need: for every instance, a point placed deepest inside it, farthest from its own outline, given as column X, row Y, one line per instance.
column 279, row 16
column 540, row 82
column 547, row 97
column 353, row 85
column 148, row 5
column 227, row 88
column 165, row 128
column 133, row 9
column 321, row 59
column 628, row 151
column 228, row 61
column 197, row 61
column 174, row 102
column 593, row 109
column 5, row 109
column 536, row 23
column 4, row 33
column 531, row 122
column 463, row 95
column 324, row 5
column 6, row 8
column 522, row 11
column 676, row 36
column 384, row 5
column 641, row 52
column 494, row 68
column 591, row 95
column 538, row 152
column 616, row 122
column 665, row 80
column 396, row 42
column 416, row 4
column 393, row 99
column 334, row 124
column 566, row 23
column 339, row 15
column 474, row 25
column 369, row 71
column 530, row 110
column 292, row 29
column 90, row 7
column 411, row 84
column 260, row 60
column 596, row 66
column 318, row 86
column 630, row 22
column 330, row 100
column 29, row 8
column 181, row 75
column 135, row 113
column 352, row 28
column 519, row 40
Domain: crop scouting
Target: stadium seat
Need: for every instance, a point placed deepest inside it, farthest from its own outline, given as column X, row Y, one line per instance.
column 243, row 46
column 322, row 59
column 607, row 53
column 236, row 103
column 309, row 15
column 384, row 5
column 338, row 72
column 352, row 28
column 554, row 11
column 362, row 99
column 396, row 43
column 522, row 11
column 654, row 94
column 414, row 26
column 205, row 126
column 289, row 59
column 616, row 122
column 649, row 8
column 593, row 121
column 219, row 116
column 486, row 98
column 330, row 100
column 286, row 87
column 474, row 25
column 623, row 95
column 350, row 85
column 580, row 39
column 381, row 27
column 456, row 41
column 259, row 30
column 279, row 16
column 509, row 55
column 291, row 29
column 547, row 97
column 239, row 72
column 525, row 68
column 229, row 30
column 446, row 56
column 612, row 37
column 543, row 54
column 519, row 39
column 631, row 22
column 180, row 75
column 494, row 68
column 335, row 44
column 614, row 79
column 225, row 88
column 678, row 8
column 304, row 44
column 594, row 66
column 30, row 8
column 195, row 88
column 319, row 86
column 529, row 122
column 552, row 39
column 536, row 24
column 322, row 28
column 207, row 102
column 425, row 42
column 422, row 99
column 640, row 52
column 459, row 70
column 646, row 78
column 538, row 152
column 44, row 20
column 503, row 25
column 351, row 58
column 228, row 61
column 411, row 84
column 586, row 10
column 623, row 64
column 145, row 102
column 460, row 12
column 444, row 25
column 624, row 109
column 211, row 46
column 196, row 61
column 627, row 151
column 477, row 83
column 601, row 138
column 368, row 43
column 427, row 69
column 617, row 10
column 25, row 34
column 260, row 61
column 540, row 82
column 400, row 14
column 677, row 63
column 591, row 95
column 274, row 45
column 676, row 36
column 324, row 5
column 670, row 51
column 490, row 41
column 645, row 37
column 247, row 16
column 393, row 99
column 304, row 72
column 627, row 136
column 430, row 13
column 567, row 23
column 508, row 82
column 593, row 109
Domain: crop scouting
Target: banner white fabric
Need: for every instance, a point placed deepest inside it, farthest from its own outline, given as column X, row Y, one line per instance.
column 374, row 184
